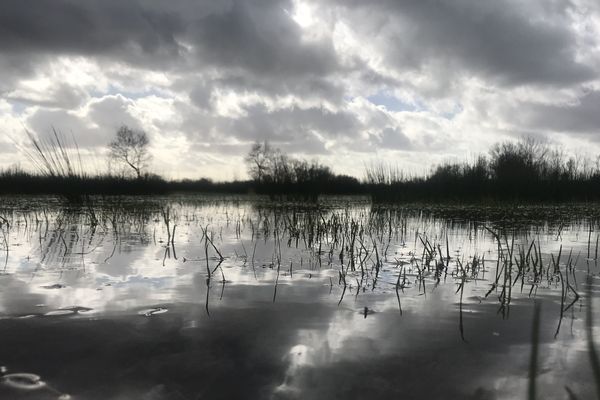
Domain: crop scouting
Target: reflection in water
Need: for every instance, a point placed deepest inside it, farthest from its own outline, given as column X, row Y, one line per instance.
column 193, row 297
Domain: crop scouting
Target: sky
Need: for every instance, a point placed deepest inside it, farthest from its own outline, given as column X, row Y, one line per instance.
column 345, row 82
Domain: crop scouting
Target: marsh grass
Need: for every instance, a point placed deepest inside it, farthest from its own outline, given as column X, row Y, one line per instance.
column 54, row 156
column 60, row 170
column 377, row 248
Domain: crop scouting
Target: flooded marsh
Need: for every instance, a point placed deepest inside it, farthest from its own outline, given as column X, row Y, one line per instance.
column 191, row 297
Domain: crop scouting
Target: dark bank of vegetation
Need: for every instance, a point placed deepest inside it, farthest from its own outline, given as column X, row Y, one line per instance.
column 17, row 181
column 276, row 174
column 526, row 170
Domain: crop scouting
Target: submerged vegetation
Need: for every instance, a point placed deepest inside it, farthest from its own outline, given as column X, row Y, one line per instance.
column 461, row 280
column 512, row 171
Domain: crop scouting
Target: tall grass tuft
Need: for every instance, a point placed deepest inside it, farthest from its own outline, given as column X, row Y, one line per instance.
column 54, row 156
column 59, row 169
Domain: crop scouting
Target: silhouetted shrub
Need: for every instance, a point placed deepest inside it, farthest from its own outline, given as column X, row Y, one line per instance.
column 524, row 170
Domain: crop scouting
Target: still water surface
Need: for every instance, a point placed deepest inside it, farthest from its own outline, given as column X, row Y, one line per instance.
column 243, row 298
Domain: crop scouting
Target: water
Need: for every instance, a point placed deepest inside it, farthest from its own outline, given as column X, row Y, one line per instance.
column 116, row 299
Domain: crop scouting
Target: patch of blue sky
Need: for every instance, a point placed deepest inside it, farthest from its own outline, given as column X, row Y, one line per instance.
column 453, row 113
column 392, row 103
column 127, row 94
column 18, row 106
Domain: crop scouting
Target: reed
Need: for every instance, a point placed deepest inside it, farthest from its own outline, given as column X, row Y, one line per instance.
column 533, row 359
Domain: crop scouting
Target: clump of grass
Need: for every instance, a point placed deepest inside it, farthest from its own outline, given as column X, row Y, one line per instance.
column 59, row 169
column 53, row 156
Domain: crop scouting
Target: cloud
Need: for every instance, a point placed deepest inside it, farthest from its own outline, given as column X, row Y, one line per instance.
column 112, row 112
column 343, row 81
column 201, row 95
column 260, row 38
column 508, row 42
column 91, row 126
column 394, row 138
column 54, row 95
column 119, row 28
column 578, row 116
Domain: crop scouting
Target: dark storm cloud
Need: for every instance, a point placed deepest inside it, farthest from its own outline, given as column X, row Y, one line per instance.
column 201, row 95
column 511, row 42
column 305, row 86
column 14, row 67
column 61, row 95
column 105, row 117
column 581, row 116
column 261, row 38
column 252, row 45
column 257, row 36
column 293, row 129
column 256, row 44
column 108, row 27
column 288, row 123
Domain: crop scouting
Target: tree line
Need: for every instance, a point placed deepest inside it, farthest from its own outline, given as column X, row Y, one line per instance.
column 526, row 169
column 275, row 173
column 514, row 170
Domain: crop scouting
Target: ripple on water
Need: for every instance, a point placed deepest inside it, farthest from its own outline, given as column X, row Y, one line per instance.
column 68, row 311
column 26, row 382
column 56, row 313
column 366, row 311
column 23, row 381
column 53, row 286
column 153, row 311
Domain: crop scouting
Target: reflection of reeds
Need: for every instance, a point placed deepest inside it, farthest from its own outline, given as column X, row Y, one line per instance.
column 594, row 361
column 5, row 229
column 533, row 360
column 592, row 353
column 359, row 238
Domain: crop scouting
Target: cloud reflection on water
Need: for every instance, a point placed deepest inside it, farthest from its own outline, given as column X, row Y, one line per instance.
column 297, row 344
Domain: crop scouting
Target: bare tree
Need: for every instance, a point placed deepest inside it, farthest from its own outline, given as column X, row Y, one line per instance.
column 259, row 159
column 269, row 165
column 130, row 148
